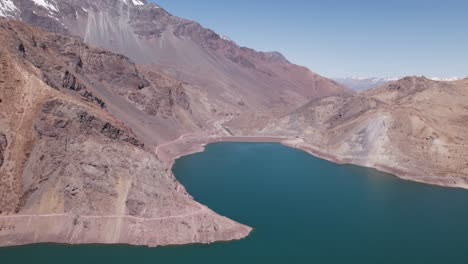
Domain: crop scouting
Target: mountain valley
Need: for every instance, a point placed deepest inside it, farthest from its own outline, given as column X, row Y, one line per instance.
column 98, row 99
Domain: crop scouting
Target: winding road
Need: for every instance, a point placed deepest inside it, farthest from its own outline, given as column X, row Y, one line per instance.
column 202, row 210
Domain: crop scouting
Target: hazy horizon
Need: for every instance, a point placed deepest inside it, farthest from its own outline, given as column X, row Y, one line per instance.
column 345, row 38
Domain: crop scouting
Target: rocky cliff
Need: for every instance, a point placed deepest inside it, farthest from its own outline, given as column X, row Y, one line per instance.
column 70, row 171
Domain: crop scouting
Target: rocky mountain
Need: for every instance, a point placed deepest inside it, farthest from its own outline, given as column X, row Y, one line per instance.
column 234, row 78
column 98, row 98
column 415, row 128
column 71, row 171
column 83, row 130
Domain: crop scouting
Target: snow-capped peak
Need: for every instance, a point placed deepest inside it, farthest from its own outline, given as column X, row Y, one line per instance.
column 7, row 8
column 138, row 2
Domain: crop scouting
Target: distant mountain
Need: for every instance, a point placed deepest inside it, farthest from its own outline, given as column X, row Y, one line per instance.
column 366, row 83
column 363, row 83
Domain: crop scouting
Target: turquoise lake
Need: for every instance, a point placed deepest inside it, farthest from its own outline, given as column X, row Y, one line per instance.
column 303, row 209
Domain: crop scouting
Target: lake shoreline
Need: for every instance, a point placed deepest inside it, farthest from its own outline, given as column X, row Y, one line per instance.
column 291, row 197
column 399, row 173
column 198, row 144
column 190, row 145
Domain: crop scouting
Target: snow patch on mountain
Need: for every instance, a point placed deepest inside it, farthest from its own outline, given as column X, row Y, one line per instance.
column 7, row 8
column 225, row 38
column 137, row 2
column 47, row 4
column 445, row 79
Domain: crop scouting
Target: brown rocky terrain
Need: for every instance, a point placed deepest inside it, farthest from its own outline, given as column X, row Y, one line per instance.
column 88, row 136
column 415, row 128
column 155, row 106
column 70, row 171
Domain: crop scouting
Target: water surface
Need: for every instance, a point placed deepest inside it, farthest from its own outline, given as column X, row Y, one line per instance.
column 303, row 209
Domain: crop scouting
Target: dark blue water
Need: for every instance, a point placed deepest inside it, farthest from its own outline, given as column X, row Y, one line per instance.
column 303, row 209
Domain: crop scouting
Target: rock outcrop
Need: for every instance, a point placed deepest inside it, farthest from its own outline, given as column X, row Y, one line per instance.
column 3, row 146
column 155, row 106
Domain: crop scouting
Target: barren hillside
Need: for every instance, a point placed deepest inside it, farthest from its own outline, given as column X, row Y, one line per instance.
column 70, row 171
column 235, row 79
column 415, row 127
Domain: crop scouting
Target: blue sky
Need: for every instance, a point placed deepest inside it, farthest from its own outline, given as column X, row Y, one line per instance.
column 340, row 38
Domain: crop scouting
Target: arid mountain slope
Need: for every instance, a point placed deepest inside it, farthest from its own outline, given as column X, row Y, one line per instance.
column 156, row 107
column 70, row 171
column 415, row 127
column 232, row 77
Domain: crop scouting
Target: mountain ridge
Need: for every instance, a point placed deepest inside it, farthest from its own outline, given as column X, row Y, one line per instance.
column 365, row 83
column 150, row 35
